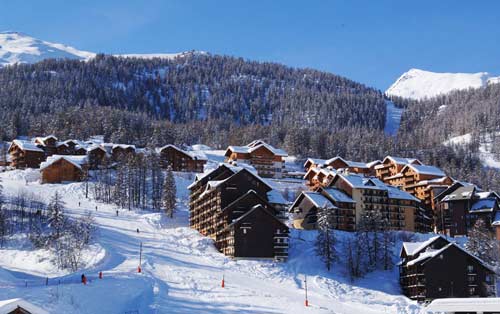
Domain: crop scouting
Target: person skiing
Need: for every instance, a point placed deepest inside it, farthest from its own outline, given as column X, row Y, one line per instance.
column 84, row 279
column 137, row 230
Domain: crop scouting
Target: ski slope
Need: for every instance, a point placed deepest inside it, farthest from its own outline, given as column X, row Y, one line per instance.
column 393, row 118
column 182, row 271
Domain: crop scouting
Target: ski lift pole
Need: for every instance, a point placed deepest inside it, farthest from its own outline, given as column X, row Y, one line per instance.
column 140, row 259
column 305, row 285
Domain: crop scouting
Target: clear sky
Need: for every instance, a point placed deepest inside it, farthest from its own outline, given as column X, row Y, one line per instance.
column 372, row 41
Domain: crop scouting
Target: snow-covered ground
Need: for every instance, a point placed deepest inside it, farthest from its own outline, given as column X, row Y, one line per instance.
column 393, row 118
column 420, row 84
column 182, row 271
column 487, row 158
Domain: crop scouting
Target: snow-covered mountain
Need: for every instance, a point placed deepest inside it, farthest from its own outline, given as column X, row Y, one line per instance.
column 420, row 84
column 17, row 47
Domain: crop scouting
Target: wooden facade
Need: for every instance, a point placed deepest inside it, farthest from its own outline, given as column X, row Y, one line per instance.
column 267, row 160
column 306, row 207
column 49, row 144
column 96, row 156
column 440, row 269
column 391, row 166
column 232, row 206
column 180, row 160
column 458, row 210
column 25, row 154
column 122, row 152
column 59, row 169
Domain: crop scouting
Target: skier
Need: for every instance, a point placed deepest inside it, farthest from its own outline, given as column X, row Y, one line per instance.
column 137, row 230
column 84, row 279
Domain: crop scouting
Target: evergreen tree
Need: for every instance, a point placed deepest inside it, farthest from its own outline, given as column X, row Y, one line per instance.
column 57, row 219
column 325, row 241
column 482, row 243
column 169, row 193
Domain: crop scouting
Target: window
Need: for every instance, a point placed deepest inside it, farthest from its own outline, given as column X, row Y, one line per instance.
column 472, row 290
column 470, row 268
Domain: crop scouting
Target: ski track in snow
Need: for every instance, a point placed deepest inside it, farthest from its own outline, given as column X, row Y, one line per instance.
column 182, row 271
column 393, row 118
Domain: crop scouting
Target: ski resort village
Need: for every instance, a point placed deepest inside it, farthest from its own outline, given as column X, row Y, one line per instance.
column 93, row 227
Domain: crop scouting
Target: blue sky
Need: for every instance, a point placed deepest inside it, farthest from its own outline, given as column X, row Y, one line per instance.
column 369, row 41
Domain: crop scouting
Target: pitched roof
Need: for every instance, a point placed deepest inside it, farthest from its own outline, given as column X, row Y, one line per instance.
column 428, row 170
column 26, row 145
column 462, row 193
column 9, row 306
column 315, row 161
column 413, row 248
column 399, row 194
column 319, row 200
column 193, row 154
column 362, row 182
column 254, row 146
column 484, row 205
column 338, row 195
column 78, row 161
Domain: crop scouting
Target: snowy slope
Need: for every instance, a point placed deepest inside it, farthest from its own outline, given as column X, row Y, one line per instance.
column 182, row 271
column 17, row 47
column 20, row 48
column 488, row 159
column 420, row 84
column 392, row 119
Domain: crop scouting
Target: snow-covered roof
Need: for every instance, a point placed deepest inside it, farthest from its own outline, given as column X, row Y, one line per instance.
column 194, row 154
column 349, row 163
column 462, row 193
column 452, row 305
column 429, row 253
column 78, row 161
column 428, row 170
column 319, row 200
column 43, row 139
column 123, row 146
column 256, row 145
column 275, row 197
column 338, row 195
column 94, row 147
column 401, row 160
column 413, row 248
column 484, row 205
column 362, row 182
column 9, row 306
column 399, row 194
column 315, row 161
column 373, row 163
column 496, row 220
column 26, row 145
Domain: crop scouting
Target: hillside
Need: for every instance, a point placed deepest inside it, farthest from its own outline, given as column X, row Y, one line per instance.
column 419, row 84
column 182, row 271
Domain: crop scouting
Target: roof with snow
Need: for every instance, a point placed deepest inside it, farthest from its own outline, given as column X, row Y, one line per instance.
column 399, row 194
column 462, row 193
column 362, row 182
column 26, row 145
column 123, row 146
column 319, row 200
column 427, row 170
column 315, row 161
column 484, row 205
column 194, row 154
column 9, row 306
column 338, row 195
column 253, row 146
column 413, row 248
column 400, row 161
column 464, row 305
column 43, row 139
column 78, row 161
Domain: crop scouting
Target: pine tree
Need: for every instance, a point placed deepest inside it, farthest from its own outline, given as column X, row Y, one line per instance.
column 482, row 243
column 169, row 193
column 56, row 219
column 325, row 241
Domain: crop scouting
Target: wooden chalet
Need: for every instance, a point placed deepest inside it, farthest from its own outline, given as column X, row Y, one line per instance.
column 181, row 160
column 63, row 168
column 458, row 211
column 267, row 160
column 427, row 190
column 401, row 209
column 122, row 151
column 96, row 155
column 391, row 166
column 19, row 306
column 48, row 143
column 437, row 268
column 306, row 206
column 241, row 212
column 25, row 154
column 314, row 163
